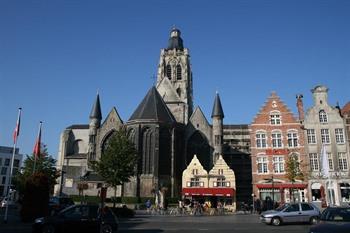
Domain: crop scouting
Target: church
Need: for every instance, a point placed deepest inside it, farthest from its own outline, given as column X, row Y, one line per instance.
column 167, row 132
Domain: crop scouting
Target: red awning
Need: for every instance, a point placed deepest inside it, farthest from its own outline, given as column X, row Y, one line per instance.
column 281, row 186
column 227, row 192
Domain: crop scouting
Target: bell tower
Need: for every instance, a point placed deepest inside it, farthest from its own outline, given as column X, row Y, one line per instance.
column 174, row 78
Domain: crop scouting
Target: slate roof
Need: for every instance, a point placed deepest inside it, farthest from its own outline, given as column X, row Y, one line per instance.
column 153, row 108
column 78, row 127
column 176, row 41
column 217, row 109
column 96, row 109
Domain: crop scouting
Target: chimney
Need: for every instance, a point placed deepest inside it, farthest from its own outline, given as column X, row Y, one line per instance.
column 300, row 106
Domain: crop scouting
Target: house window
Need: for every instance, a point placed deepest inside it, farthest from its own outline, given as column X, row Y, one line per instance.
column 292, row 139
column 7, row 162
column 325, row 136
column 311, row 136
column 195, row 182
column 262, row 164
column 178, row 72
column 221, row 171
column 276, row 140
column 194, row 171
column 343, row 163
column 220, row 182
column 3, row 170
column 168, row 71
column 314, row 164
column 260, row 140
column 3, row 180
column 217, row 140
column 330, row 161
column 323, row 116
column 278, row 164
column 16, row 163
column 275, row 119
column 339, row 136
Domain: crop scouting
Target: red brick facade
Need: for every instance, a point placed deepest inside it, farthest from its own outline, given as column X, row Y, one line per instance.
column 275, row 136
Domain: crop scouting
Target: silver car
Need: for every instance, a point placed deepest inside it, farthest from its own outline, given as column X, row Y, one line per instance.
column 291, row 213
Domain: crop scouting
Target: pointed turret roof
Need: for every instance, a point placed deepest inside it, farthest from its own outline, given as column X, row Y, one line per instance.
column 153, row 108
column 96, row 109
column 217, row 109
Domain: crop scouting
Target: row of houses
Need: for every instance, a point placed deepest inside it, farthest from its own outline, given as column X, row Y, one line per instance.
column 279, row 138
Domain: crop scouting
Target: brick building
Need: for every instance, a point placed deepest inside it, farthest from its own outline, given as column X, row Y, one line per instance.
column 276, row 136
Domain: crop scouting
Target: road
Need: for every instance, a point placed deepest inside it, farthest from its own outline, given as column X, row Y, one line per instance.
column 205, row 224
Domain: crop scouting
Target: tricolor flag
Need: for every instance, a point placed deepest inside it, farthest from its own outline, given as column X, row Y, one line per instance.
column 37, row 145
column 18, row 124
column 325, row 162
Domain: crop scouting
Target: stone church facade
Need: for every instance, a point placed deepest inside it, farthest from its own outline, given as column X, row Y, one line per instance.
column 166, row 130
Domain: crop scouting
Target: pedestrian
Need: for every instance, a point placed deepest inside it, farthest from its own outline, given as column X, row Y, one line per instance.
column 148, row 205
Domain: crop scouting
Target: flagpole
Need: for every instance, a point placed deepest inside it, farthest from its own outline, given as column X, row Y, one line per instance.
column 11, row 167
column 35, row 147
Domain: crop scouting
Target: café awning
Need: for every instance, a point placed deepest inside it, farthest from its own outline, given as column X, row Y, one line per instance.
column 226, row 192
column 281, row 186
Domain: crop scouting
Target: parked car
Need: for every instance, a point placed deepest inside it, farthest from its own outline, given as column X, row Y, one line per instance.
column 57, row 203
column 78, row 218
column 334, row 220
column 291, row 213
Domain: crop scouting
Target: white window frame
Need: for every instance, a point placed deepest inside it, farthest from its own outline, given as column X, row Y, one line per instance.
column 278, row 164
column 276, row 139
column 275, row 118
column 339, row 135
column 260, row 139
column 292, row 138
column 325, row 137
column 322, row 115
column 314, row 162
column 262, row 164
column 311, row 136
column 330, row 161
column 342, row 161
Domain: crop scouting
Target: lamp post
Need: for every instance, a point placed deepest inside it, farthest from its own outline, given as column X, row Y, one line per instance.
column 273, row 191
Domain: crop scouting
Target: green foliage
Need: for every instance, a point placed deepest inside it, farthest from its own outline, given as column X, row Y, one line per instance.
column 36, row 197
column 45, row 165
column 117, row 163
column 130, row 200
column 118, row 160
column 293, row 171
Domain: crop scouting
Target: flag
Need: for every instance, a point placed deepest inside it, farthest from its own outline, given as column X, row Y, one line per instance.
column 18, row 124
column 37, row 145
column 325, row 163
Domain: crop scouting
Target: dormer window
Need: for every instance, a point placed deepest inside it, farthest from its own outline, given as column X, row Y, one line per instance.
column 323, row 116
column 178, row 72
column 168, row 71
column 275, row 118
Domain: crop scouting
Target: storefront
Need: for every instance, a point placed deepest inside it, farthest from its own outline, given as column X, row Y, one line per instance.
column 282, row 192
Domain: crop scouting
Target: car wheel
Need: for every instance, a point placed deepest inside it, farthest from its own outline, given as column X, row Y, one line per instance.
column 106, row 228
column 48, row 229
column 313, row 220
column 276, row 221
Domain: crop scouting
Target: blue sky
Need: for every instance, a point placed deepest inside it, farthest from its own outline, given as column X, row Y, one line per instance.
column 55, row 55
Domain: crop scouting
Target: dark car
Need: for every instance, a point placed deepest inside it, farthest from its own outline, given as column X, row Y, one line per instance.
column 57, row 203
column 333, row 220
column 78, row 218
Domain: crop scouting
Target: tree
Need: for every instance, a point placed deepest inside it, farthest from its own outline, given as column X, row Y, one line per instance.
column 45, row 164
column 118, row 161
column 293, row 171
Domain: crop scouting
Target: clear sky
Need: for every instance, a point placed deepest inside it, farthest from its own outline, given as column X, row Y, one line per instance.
column 55, row 55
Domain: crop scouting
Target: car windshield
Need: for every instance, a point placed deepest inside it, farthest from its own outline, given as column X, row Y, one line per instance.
column 336, row 214
column 282, row 207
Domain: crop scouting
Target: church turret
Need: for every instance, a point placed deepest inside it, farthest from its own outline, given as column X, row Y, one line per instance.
column 95, row 122
column 174, row 78
column 217, row 117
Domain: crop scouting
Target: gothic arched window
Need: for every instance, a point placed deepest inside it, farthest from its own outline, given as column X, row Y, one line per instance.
column 178, row 91
column 168, row 71
column 178, row 72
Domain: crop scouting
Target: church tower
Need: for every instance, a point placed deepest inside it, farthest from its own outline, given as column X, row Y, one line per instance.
column 217, row 117
column 95, row 122
column 174, row 78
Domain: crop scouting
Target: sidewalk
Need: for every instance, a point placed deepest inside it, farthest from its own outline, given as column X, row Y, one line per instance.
column 14, row 223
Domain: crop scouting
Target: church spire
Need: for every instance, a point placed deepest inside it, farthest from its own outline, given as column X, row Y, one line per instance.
column 175, row 41
column 96, row 109
column 218, row 135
